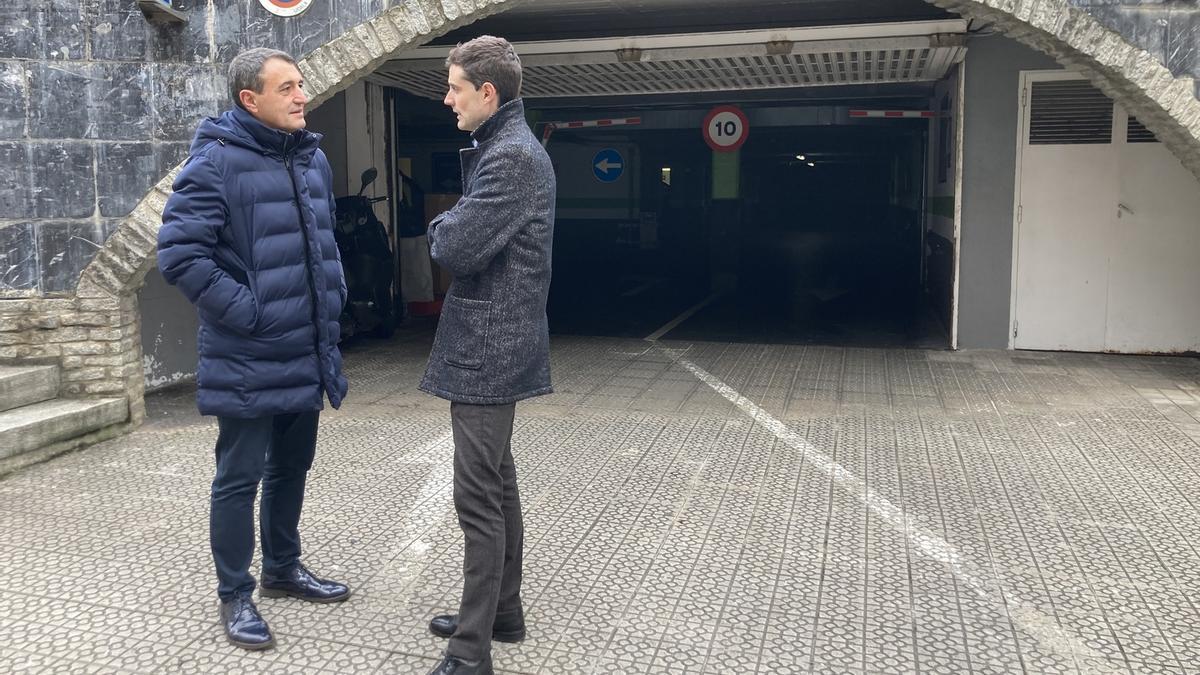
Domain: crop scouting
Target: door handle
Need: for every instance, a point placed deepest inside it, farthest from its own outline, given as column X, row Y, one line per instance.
column 1122, row 207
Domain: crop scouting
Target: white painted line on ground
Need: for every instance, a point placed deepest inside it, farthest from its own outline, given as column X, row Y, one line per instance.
column 670, row 326
column 435, row 496
column 1050, row 636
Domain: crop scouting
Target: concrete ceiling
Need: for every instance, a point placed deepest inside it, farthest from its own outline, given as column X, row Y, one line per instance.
column 566, row 19
column 695, row 62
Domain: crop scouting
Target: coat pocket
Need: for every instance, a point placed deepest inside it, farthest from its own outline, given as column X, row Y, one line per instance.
column 465, row 333
column 229, row 262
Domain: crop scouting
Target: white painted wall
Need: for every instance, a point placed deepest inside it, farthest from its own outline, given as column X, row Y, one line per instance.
column 366, row 143
column 169, row 326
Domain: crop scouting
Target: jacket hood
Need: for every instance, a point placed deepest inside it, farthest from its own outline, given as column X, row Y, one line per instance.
column 238, row 127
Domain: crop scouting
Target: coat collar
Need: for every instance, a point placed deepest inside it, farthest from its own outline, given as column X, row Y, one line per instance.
column 269, row 138
column 500, row 120
column 241, row 128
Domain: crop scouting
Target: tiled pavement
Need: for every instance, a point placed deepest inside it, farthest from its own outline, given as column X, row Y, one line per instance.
column 799, row 509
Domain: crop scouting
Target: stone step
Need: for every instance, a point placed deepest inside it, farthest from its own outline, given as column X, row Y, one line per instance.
column 38, row 425
column 23, row 385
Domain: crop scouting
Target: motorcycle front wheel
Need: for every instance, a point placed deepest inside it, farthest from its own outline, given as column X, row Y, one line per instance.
column 387, row 319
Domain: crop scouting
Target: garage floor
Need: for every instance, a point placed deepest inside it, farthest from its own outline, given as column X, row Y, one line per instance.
column 642, row 306
column 691, row 508
column 838, row 318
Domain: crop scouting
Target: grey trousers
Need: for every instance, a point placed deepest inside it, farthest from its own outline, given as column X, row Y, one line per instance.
column 489, row 513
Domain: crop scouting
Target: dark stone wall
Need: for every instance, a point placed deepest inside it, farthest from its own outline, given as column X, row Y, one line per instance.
column 1168, row 29
column 97, row 104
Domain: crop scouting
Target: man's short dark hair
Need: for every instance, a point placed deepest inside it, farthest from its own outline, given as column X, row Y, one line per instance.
column 489, row 59
column 245, row 71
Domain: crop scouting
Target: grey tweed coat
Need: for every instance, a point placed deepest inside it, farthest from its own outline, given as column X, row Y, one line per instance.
column 492, row 345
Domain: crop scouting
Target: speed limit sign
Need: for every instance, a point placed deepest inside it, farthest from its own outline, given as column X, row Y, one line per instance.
column 285, row 7
column 726, row 128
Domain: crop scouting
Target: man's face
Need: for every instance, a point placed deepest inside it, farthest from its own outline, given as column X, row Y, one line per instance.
column 281, row 103
column 472, row 106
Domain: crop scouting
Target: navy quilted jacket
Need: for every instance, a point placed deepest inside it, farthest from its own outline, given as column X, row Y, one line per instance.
column 248, row 237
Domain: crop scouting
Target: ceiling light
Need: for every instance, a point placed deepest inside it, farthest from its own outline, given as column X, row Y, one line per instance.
column 800, row 157
column 811, row 164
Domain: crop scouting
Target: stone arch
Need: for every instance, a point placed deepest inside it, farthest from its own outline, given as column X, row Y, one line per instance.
column 1163, row 103
column 119, row 268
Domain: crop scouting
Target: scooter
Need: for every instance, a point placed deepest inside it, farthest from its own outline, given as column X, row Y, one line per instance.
column 367, row 263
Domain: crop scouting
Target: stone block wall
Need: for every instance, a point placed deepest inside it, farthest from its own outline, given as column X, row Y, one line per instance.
column 93, row 336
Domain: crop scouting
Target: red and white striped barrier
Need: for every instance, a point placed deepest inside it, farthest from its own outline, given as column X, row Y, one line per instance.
column 614, row 122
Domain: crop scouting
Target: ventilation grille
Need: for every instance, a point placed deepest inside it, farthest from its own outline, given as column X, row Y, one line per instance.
column 1069, row 113
column 681, row 75
column 1136, row 133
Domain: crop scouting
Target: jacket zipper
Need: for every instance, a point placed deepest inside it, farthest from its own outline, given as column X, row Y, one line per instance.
column 312, row 287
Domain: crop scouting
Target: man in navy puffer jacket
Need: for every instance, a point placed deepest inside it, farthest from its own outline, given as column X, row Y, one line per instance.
column 248, row 237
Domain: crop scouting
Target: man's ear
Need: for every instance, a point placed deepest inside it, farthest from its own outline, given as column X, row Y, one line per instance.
column 489, row 90
column 249, row 102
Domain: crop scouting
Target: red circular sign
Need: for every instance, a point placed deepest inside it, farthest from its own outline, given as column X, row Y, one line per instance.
column 726, row 128
column 285, row 7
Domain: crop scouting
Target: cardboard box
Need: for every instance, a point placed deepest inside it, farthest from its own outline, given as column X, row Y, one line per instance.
column 436, row 204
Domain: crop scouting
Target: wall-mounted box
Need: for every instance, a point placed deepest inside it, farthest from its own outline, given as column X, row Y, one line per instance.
column 160, row 11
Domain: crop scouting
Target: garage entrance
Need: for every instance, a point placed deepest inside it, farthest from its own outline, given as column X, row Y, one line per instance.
column 812, row 231
column 813, row 234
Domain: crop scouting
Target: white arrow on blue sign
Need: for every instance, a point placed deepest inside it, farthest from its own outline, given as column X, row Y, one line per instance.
column 608, row 165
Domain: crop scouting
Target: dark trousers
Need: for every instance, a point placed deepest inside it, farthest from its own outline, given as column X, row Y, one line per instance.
column 489, row 513
column 278, row 451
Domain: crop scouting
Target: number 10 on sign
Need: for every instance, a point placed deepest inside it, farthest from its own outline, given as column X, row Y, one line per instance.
column 726, row 128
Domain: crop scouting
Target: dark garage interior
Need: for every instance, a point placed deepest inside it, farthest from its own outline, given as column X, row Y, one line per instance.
column 825, row 249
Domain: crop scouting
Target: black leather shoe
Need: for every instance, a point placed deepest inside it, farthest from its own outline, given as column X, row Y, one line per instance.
column 300, row 583
column 444, row 625
column 243, row 625
column 452, row 665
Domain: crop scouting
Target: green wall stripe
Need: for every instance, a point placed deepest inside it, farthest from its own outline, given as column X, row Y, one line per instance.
column 942, row 206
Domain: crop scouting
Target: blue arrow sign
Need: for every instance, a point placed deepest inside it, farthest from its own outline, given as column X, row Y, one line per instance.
column 608, row 165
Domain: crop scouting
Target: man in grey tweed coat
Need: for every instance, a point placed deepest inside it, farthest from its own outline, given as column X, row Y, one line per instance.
column 492, row 344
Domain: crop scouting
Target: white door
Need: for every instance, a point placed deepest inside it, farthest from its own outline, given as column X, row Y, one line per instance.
column 1154, row 279
column 1065, row 213
column 1107, row 237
